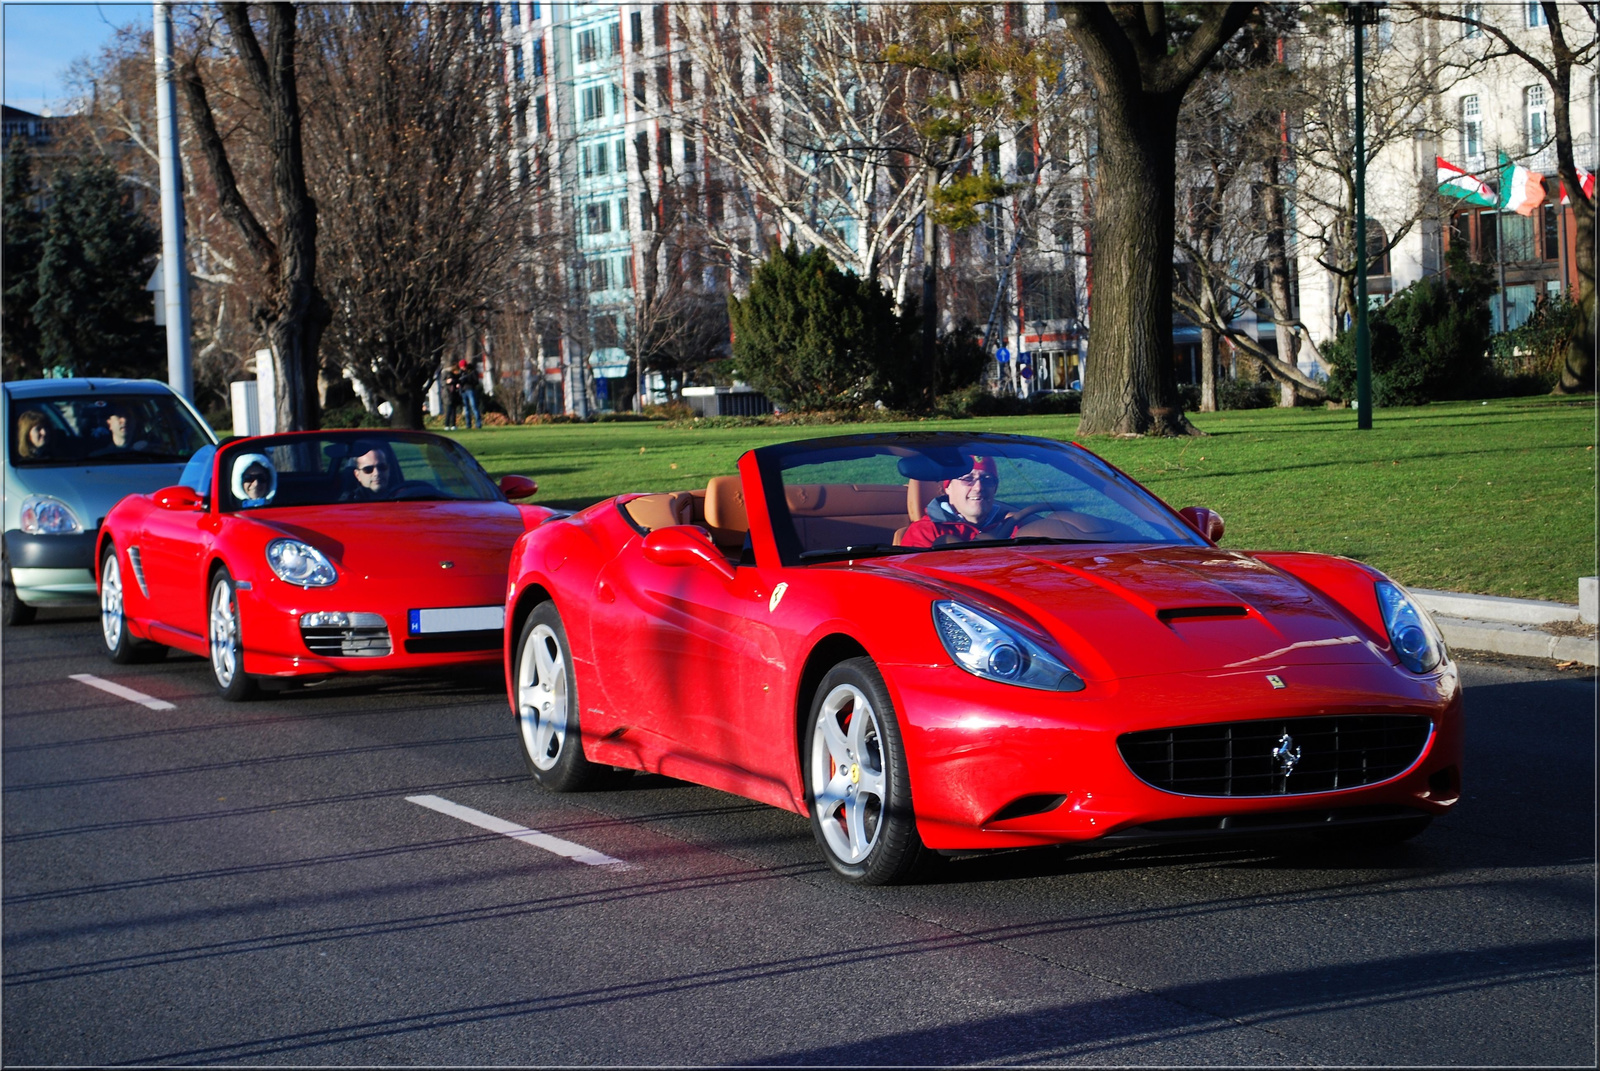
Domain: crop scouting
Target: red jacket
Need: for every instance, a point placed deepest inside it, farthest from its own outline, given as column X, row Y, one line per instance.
column 940, row 520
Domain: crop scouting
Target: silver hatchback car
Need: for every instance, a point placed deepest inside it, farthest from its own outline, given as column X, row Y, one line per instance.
column 75, row 448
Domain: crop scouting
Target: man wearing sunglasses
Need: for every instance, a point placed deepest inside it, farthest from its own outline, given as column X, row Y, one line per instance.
column 967, row 510
column 375, row 473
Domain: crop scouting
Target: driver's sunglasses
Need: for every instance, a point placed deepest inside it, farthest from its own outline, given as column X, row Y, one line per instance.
column 380, row 466
column 972, row 479
column 254, row 477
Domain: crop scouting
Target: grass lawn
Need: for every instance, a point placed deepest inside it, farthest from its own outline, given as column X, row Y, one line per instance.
column 1491, row 497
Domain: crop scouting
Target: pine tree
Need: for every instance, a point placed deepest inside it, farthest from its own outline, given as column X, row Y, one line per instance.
column 23, row 232
column 815, row 337
column 93, row 314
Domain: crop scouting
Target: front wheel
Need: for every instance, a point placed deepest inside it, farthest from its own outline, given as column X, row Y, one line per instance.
column 226, row 644
column 16, row 612
column 547, row 706
column 121, row 647
column 857, row 782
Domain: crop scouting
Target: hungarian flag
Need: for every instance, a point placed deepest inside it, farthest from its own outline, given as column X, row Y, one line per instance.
column 1585, row 182
column 1454, row 182
column 1521, row 190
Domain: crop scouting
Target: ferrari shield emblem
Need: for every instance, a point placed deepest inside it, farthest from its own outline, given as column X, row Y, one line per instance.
column 1276, row 681
column 777, row 597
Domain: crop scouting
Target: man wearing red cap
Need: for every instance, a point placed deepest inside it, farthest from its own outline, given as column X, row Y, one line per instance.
column 965, row 511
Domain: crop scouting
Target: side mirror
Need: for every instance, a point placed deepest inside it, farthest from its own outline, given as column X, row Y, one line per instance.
column 518, row 487
column 179, row 497
column 1208, row 522
column 684, row 544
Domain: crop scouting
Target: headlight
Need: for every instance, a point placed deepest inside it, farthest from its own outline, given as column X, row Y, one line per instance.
column 1411, row 630
column 300, row 563
column 984, row 647
column 43, row 515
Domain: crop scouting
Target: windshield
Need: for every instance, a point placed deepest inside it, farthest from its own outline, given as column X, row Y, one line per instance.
column 354, row 467
column 910, row 494
column 103, row 429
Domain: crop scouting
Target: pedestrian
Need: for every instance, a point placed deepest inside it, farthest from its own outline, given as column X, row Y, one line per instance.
column 452, row 391
column 467, row 378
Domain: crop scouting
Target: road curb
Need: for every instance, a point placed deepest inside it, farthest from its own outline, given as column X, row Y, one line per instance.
column 1511, row 638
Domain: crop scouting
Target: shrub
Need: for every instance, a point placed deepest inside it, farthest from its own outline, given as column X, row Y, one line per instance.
column 1245, row 394
column 354, row 415
column 495, row 420
column 1429, row 342
column 1528, row 359
column 813, row 337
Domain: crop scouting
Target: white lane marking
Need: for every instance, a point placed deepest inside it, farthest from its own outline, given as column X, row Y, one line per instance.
column 576, row 852
column 122, row 693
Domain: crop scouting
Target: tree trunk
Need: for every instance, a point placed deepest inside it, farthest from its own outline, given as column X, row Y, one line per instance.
column 409, row 409
column 1208, row 355
column 1288, row 343
column 930, row 292
column 1132, row 388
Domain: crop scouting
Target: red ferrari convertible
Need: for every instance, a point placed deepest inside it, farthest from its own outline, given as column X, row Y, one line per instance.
column 956, row 642
column 314, row 553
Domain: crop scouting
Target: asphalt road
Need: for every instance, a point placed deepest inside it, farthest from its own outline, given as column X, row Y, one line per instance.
column 212, row 883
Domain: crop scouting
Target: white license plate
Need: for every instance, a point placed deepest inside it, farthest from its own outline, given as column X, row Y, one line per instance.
column 457, row 619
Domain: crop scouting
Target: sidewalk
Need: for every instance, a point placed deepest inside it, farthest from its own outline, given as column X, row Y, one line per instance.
column 1528, row 628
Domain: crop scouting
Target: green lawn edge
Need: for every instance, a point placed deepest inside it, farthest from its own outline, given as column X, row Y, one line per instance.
column 1495, row 497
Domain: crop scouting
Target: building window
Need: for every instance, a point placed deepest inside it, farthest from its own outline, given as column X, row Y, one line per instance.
column 622, row 213
column 516, row 14
column 1025, row 159
column 641, row 149
column 1516, row 237
column 594, row 102
column 538, row 58
column 1377, row 249
column 663, row 86
column 762, row 77
column 1472, row 11
column 636, row 30
column 1552, row 233
column 625, row 271
column 588, row 46
column 599, row 274
column 664, row 148
column 516, row 59
column 616, row 99
column 598, row 218
column 541, row 115
column 602, row 164
column 614, row 36
column 1537, row 109
column 644, row 210
column 639, row 88
column 1535, row 13
column 658, row 15
column 1471, row 127
column 689, row 151
column 686, row 80
column 535, row 15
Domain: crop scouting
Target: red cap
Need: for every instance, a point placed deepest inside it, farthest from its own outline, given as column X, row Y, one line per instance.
column 981, row 464
column 462, row 363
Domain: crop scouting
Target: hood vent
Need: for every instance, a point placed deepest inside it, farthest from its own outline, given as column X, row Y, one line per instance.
column 1183, row 613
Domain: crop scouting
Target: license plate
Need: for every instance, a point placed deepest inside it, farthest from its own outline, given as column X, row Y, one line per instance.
column 457, row 619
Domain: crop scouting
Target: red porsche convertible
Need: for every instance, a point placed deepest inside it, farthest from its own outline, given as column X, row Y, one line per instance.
column 314, row 553
column 955, row 642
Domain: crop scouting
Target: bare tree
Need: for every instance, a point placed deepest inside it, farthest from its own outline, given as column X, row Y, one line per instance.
column 1141, row 64
column 290, row 309
column 426, row 198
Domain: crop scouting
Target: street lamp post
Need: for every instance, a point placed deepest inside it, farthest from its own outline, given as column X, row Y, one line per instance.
column 1360, row 16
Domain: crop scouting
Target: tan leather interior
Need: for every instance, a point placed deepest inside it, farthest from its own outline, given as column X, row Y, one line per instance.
column 661, row 511
column 918, row 494
column 725, row 512
column 844, row 514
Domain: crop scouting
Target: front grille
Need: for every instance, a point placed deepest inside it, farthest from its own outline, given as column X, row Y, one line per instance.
column 1247, row 758
column 365, row 636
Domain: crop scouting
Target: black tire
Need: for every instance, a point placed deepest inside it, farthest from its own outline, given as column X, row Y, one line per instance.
column 121, row 645
column 546, row 699
column 858, row 786
column 15, row 612
column 225, row 640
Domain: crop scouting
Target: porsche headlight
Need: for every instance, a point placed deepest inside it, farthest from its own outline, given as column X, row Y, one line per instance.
column 44, row 515
column 300, row 563
column 988, row 648
column 1415, row 638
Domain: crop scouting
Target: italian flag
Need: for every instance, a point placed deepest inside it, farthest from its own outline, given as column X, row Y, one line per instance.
column 1585, row 181
column 1521, row 190
column 1454, row 182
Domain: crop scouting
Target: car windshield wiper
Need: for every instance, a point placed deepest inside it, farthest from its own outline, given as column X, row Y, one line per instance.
column 858, row 550
column 1033, row 540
